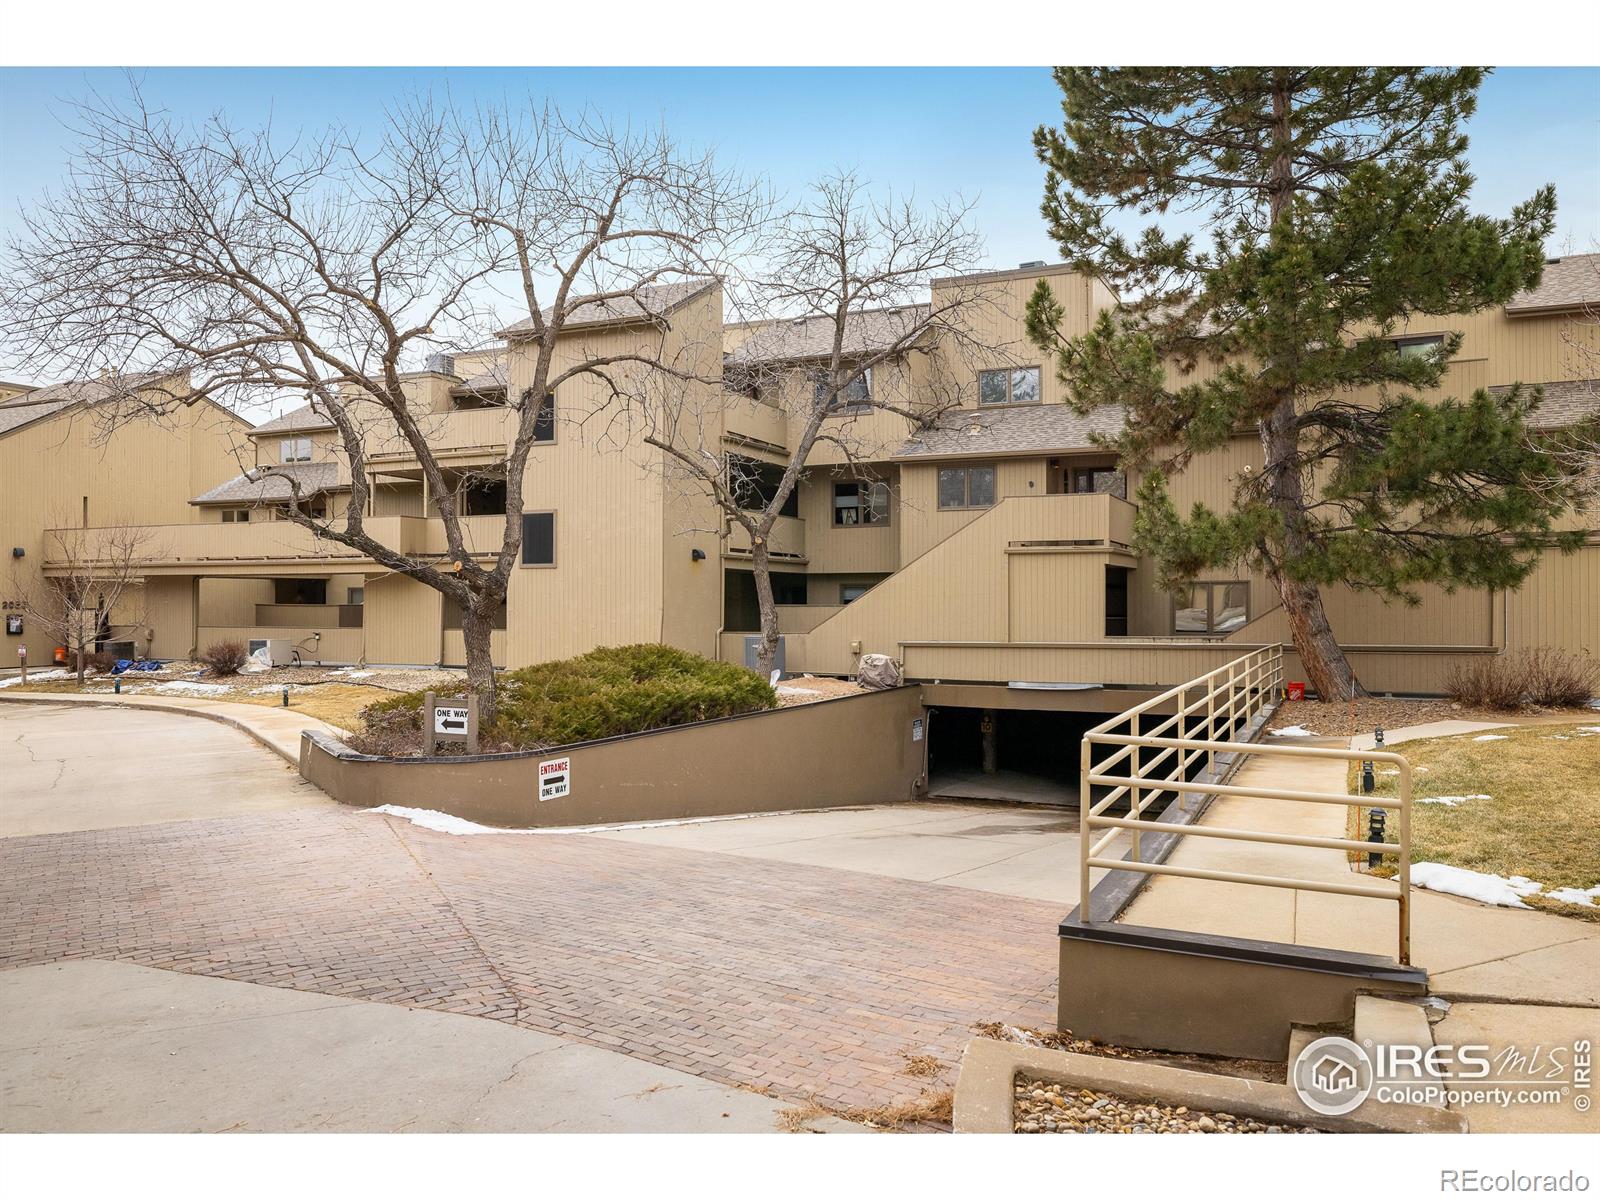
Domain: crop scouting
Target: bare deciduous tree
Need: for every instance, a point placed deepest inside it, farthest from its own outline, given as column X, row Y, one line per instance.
column 328, row 266
column 844, row 294
column 96, row 574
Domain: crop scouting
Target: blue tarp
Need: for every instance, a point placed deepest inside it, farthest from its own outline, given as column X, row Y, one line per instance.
column 128, row 664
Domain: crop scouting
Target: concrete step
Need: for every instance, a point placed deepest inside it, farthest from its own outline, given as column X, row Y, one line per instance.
column 1381, row 1021
column 1301, row 1036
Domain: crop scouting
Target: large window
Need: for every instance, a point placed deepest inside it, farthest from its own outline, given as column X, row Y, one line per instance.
column 1212, row 608
column 855, row 396
column 754, row 483
column 1019, row 385
column 295, row 449
column 452, row 615
column 483, row 498
column 1097, row 481
column 966, row 487
column 539, row 539
column 861, row 503
column 544, row 421
column 1419, row 347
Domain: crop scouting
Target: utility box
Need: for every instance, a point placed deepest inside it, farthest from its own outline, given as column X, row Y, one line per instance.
column 280, row 651
column 752, row 654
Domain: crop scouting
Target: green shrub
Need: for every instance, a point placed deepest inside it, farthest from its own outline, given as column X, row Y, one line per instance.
column 606, row 692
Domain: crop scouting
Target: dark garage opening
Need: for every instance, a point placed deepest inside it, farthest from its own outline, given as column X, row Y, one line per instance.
column 1037, row 755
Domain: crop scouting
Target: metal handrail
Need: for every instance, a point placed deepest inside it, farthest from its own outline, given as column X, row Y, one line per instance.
column 1232, row 696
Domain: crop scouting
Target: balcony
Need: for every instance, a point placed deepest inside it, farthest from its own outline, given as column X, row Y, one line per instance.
column 787, row 540
column 254, row 548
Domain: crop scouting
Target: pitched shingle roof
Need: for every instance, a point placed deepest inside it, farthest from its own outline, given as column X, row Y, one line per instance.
column 296, row 420
column 866, row 332
column 256, row 487
column 642, row 304
column 47, row 401
column 1565, row 403
column 1036, row 428
column 492, row 380
column 1569, row 282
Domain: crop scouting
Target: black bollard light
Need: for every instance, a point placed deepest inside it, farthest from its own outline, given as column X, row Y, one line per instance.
column 1375, row 825
column 286, row 695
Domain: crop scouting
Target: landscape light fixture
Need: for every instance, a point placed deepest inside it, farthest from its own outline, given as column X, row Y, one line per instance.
column 1375, row 826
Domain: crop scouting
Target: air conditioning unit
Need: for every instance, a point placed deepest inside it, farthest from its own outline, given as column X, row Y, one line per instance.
column 752, row 652
column 280, row 651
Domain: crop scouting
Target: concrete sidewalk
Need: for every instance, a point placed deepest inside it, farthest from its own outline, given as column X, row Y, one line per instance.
column 278, row 729
column 102, row 1047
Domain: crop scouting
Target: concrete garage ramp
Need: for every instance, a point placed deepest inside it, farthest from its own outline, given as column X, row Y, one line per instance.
column 101, row 1047
column 71, row 767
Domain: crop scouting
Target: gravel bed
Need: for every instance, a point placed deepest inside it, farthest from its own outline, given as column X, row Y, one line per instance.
column 1347, row 720
column 1041, row 1107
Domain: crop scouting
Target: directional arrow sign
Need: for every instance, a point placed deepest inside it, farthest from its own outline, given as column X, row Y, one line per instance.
column 450, row 722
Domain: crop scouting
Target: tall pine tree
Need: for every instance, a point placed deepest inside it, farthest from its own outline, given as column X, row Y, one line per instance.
column 1332, row 204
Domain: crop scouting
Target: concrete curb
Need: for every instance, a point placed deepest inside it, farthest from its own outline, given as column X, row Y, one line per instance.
column 237, row 715
column 983, row 1101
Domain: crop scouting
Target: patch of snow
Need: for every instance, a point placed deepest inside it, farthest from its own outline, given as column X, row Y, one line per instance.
column 36, row 677
column 1450, row 801
column 1586, row 731
column 1491, row 737
column 794, row 691
column 1292, row 731
column 439, row 822
column 360, row 674
column 1566, row 895
column 185, row 687
column 1474, row 885
column 445, row 823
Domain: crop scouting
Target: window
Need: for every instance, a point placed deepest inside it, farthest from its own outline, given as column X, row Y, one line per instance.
column 1098, row 481
column 299, row 591
column 356, row 595
column 1018, row 386
column 861, row 503
column 295, row 449
column 539, row 539
column 852, row 398
column 544, row 421
column 966, row 487
column 1212, row 608
column 849, row 592
column 754, row 484
column 451, row 616
column 231, row 516
column 1419, row 347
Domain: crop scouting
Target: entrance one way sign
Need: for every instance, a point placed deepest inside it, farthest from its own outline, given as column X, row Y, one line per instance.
column 555, row 778
column 449, row 722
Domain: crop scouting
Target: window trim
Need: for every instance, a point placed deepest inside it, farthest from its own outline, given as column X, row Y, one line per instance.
column 522, row 549
column 862, row 505
column 843, row 587
column 1211, row 630
column 1399, row 344
column 235, row 516
column 1009, row 373
column 293, row 444
column 967, row 469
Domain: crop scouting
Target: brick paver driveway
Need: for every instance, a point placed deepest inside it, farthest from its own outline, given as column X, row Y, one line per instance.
column 800, row 979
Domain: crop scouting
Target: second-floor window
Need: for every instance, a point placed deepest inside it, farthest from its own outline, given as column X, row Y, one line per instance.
column 1019, row 385
column 538, row 539
column 544, row 422
column 1212, row 608
column 966, row 487
column 295, row 449
column 860, row 503
column 231, row 516
column 855, row 396
column 1419, row 347
column 1100, row 481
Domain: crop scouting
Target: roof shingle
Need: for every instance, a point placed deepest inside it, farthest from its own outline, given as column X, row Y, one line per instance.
column 255, row 487
column 1565, row 402
column 1035, row 428
column 1569, row 282
column 47, row 401
column 645, row 303
column 867, row 332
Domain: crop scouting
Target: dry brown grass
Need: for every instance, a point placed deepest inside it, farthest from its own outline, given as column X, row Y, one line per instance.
column 798, row 1119
column 338, row 704
column 1543, row 677
column 929, row 1108
column 922, row 1066
column 1544, row 787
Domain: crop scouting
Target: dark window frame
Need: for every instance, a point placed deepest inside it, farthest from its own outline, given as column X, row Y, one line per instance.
column 1213, row 588
column 1010, row 374
column 967, row 469
column 864, row 489
column 522, row 555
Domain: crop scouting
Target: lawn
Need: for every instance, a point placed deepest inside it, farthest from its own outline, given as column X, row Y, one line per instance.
column 338, row 704
column 1539, row 820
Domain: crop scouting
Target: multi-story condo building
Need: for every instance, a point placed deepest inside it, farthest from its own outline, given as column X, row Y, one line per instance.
column 986, row 550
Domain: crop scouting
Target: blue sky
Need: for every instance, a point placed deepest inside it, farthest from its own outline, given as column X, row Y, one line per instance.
column 935, row 131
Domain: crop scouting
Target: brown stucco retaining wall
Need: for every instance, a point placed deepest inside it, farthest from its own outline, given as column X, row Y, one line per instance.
column 833, row 753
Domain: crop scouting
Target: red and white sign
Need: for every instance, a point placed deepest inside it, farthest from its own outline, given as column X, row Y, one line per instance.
column 555, row 778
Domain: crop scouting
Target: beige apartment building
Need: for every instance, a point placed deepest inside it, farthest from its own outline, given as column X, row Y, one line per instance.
column 990, row 551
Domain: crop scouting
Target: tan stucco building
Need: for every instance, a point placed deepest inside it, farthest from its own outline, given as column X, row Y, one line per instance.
column 992, row 548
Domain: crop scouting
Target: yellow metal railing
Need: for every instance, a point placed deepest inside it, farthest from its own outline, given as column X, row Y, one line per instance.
column 1221, row 701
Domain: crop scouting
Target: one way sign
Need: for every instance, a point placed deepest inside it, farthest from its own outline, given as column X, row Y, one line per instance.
column 448, row 722
column 456, row 720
